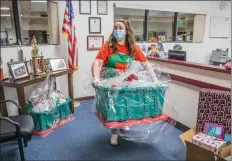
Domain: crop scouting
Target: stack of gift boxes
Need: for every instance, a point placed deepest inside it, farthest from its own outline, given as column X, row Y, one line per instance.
column 211, row 143
column 213, row 126
column 213, row 120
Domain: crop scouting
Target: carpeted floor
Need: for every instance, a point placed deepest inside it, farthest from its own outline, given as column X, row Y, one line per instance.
column 85, row 138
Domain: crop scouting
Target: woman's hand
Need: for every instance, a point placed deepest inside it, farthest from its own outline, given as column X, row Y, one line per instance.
column 154, row 79
column 150, row 70
column 96, row 66
column 95, row 81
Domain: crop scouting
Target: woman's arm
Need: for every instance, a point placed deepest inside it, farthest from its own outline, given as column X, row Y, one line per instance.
column 96, row 66
column 98, row 62
column 149, row 68
column 142, row 58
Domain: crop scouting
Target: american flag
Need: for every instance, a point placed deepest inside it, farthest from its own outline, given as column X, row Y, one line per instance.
column 69, row 31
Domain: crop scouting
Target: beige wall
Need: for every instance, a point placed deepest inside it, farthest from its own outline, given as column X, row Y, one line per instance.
column 182, row 103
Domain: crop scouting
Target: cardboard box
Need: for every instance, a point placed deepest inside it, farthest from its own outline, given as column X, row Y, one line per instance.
column 195, row 152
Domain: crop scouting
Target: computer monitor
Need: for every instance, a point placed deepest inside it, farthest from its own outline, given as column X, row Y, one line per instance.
column 177, row 55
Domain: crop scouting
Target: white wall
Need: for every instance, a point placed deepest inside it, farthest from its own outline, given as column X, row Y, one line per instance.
column 195, row 52
column 175, row 106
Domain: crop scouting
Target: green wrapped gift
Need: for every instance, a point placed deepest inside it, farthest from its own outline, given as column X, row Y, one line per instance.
column 121, row 104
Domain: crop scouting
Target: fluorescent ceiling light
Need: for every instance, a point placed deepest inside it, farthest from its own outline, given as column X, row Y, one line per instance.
column 39, row 1
column 5, row 8
column 5, row 15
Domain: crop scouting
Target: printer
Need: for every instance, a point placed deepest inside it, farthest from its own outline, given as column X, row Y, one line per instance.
column 219, row 56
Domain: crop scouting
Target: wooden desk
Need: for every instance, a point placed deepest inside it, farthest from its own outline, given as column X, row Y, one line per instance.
column 20, row 84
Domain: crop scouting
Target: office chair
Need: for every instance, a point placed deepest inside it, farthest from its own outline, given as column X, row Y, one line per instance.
column 16, row 127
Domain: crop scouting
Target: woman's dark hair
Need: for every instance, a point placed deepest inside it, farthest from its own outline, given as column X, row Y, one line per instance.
column 129, row 39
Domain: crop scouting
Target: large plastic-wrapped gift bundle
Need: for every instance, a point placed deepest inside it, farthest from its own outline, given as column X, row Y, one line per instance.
column 43, row 97
column 47, row 106
column 134, row 98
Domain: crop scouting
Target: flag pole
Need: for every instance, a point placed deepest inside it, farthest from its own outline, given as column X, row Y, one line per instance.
column 66, row 29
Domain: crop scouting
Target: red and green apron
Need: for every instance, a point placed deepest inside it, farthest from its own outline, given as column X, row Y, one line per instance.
column 116, row 62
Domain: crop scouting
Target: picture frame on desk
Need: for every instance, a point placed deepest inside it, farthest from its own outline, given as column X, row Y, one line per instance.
column 57, row 64
column 214, row 130
column 18, row 70
column 94, row 42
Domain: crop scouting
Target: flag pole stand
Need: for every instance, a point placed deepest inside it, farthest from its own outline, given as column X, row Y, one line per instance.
column 75, row 103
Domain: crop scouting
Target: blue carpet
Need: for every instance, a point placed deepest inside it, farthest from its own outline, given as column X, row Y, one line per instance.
column 85, row 138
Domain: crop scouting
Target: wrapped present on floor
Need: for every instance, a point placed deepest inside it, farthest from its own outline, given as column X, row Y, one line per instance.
column 44, row 120
column 209, row 142
column 48, row 107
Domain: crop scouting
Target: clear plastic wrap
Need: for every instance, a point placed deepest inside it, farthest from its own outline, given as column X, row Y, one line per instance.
column 48, row 107
column 43, row 98
column 134, row 98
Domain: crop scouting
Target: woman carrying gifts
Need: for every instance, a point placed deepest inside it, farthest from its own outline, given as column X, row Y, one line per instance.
column 117, row 53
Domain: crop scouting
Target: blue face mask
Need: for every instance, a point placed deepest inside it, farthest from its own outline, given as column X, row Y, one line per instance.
column 119, row 34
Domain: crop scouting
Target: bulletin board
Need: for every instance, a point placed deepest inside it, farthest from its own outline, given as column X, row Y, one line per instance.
column 219, row 27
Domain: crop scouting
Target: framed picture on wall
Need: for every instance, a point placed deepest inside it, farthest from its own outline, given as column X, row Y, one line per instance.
column 102, row 7
column 18, row 70
column 85, row 7
column 94, row 42
column 94, row 25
